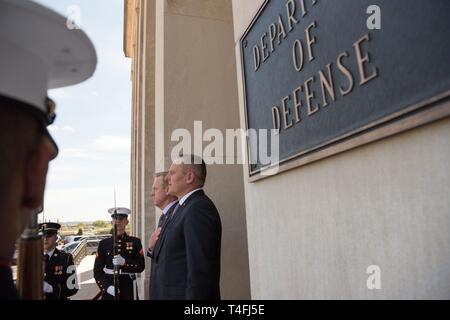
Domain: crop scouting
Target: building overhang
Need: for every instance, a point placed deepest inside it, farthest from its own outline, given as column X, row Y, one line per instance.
column 128, row 27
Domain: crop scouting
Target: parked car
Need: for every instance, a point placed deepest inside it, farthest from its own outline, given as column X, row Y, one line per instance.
column 70, row 246
column 92, row 246
column 102, row 236
column 69, row 239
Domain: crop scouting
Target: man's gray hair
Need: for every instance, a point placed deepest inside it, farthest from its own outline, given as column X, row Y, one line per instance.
column 162, row 174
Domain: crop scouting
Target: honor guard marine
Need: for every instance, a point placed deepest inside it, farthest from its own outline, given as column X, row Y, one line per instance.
column 118, row 260
column 60, row 277
column 37, row 53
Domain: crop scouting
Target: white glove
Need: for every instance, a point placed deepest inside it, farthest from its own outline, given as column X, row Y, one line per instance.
column 47, row 288
column 111, row 290
column 118, row 260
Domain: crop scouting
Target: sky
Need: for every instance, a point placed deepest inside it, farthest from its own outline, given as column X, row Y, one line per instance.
column 93, row 123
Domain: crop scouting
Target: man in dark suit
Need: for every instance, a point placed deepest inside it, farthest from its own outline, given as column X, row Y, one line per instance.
column 60, row 278
column 187, row 255
column 167, row 204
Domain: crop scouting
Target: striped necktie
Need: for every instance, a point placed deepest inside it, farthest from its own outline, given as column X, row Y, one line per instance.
column 170, row 216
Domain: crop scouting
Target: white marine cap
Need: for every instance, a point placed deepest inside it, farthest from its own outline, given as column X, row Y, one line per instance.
column 119, row 211
column 39, row 52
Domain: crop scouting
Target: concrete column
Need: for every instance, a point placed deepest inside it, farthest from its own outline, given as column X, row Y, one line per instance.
column 145, row 134
column 188, row 74
column 196, row 81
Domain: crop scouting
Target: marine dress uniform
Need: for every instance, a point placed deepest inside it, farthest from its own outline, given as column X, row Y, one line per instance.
column 60, row 272
column 37, row 52
column 130, row 250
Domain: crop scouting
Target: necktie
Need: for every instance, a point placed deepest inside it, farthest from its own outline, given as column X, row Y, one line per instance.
column 162, row 219
column 163, row 229
column 47, row 258
column 173, row 212
column 169, row 216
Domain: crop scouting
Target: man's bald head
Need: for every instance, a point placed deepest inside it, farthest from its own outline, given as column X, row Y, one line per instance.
column 187, row 173
column 196, row 165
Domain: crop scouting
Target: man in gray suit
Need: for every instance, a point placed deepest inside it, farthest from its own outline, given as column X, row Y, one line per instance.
column 166, row 203
column 187, row 255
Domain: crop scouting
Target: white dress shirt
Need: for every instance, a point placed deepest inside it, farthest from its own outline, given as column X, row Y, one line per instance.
column 167, row 208
column 186, row 196
column 50, row 253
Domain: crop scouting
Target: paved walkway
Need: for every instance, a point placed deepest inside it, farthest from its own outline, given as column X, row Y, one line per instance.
column 88, row 287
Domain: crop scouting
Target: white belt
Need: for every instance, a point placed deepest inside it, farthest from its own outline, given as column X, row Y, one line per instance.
column 111, row 271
